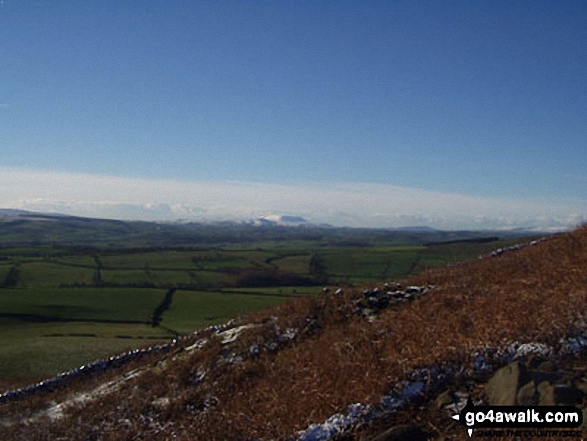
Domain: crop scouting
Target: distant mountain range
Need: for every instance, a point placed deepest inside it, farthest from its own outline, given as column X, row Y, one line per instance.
column 26, row 228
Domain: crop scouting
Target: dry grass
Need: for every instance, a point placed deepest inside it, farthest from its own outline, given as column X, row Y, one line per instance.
column 536, row 294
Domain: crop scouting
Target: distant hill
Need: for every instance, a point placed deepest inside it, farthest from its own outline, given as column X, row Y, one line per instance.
column 416, row 229
column 23, row 228
column 348, row 363
column 11, row 214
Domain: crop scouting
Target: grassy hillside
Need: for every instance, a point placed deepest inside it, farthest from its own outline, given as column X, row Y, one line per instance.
column 301, row 362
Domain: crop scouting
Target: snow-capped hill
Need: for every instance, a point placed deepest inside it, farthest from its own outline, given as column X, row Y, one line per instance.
column 275, row 219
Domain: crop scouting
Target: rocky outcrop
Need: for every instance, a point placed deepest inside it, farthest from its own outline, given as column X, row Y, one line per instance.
column 527, row 381
column 517, row 247
column 376, row 299
column 533, row 384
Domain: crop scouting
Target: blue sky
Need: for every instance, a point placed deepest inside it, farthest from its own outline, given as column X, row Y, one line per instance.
column 389, row 102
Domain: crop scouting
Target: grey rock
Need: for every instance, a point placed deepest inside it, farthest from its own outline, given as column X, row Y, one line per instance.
column 546, row 393
column 527, row 395
column 254, row 350
column 502, row 388
column 547, row 366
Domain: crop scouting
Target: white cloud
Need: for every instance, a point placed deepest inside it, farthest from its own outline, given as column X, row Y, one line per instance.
column 350, row 204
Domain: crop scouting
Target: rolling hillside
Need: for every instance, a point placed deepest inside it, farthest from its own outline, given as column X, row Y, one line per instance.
column 348, row 364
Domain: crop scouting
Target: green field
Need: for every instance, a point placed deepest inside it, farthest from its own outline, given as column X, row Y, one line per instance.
column 48, row 274
column 63, row 305
column 369, row 264
column 80, row 304
column 197, row 309
column 33, row 350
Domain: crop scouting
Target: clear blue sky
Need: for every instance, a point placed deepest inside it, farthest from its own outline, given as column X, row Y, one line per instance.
column 485, row 99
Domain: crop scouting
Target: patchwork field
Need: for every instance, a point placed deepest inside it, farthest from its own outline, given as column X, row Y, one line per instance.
column 62, row 306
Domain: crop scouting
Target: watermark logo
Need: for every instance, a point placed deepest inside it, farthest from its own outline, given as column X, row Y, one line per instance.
column 542, row 418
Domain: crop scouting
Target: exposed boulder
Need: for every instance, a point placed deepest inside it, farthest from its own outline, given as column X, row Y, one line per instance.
column 502, row 388
column 518, row 384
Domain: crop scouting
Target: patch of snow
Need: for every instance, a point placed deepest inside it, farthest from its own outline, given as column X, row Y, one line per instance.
column 533, row 348
column 197, row 345
column 335, row 425
column 231, row 335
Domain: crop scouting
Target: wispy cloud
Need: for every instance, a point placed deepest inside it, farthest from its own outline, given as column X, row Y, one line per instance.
column 350, row 204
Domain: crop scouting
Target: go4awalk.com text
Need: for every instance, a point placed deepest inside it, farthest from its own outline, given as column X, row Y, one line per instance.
column 541, row 419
